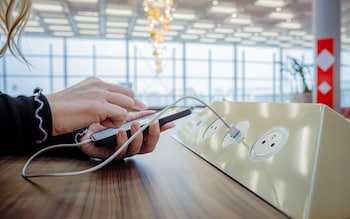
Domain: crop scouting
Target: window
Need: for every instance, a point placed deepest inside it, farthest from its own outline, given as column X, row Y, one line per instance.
column 208, row 71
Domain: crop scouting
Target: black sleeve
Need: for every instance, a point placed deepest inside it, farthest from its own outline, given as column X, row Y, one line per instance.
column 19, row 127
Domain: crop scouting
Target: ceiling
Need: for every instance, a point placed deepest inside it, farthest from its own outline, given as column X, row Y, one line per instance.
column 286, row 24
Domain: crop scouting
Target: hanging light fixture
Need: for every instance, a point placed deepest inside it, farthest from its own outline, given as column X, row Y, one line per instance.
column 159, row 14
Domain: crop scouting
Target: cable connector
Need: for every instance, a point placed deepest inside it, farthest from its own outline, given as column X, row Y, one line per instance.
column 233, row 131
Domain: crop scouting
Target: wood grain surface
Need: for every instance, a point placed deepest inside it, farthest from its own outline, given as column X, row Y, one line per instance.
column 170, row 182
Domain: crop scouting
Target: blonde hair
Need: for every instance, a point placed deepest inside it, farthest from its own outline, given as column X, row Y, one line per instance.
column 14, row 15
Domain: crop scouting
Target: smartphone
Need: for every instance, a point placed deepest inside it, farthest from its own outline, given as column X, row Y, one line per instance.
column 107, row 137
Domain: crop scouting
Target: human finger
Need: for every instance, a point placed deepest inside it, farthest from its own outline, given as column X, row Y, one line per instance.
column 121, row 100
column 136, row 144
column 113, row 116
column 150, row 141
column 138, row 105
column 115, row 88
column 138, row 114
column 122, row 137
column 167, row 126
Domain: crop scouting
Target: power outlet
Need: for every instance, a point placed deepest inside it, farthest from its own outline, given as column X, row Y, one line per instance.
column 229, row 140
column 213, row 128
column 269, row 143
column 199, row 122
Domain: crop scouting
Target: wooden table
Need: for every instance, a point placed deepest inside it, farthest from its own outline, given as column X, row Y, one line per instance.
column 171, row 182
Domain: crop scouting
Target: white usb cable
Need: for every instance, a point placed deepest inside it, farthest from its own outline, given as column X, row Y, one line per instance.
column 231, row 129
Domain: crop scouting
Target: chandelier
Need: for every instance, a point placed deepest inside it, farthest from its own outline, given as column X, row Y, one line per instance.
column 159, row 14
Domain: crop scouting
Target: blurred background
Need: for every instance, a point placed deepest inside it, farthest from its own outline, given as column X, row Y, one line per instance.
column 235, row 50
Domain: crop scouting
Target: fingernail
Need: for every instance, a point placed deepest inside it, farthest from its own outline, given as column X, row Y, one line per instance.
column 156, row 123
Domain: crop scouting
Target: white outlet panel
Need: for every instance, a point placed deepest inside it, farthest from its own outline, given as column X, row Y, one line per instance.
column 213, row 128
column 243, row 127
column 199, row 122
column 301, row 168
column 269, row 143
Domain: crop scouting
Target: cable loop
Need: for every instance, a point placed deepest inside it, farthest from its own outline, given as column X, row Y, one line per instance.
column 116, row 153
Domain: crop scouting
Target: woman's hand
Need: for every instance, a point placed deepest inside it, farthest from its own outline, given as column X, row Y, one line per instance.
column 143, row 143
column 98, row 105
column 91, row 101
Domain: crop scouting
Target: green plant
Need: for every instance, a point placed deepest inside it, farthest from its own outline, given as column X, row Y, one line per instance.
column 301, row 75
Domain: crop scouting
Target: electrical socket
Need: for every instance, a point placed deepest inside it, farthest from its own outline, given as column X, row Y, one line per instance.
column 269, row 143
column 243, row 127
column 213, row 128
column 199, row 122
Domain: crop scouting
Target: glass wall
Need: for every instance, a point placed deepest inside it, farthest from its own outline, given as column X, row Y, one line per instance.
column 208, row 71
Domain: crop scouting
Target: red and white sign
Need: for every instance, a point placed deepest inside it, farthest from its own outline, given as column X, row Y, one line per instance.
column 325, row 61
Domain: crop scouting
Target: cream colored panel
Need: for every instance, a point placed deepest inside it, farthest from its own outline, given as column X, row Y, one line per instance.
column 275, row 154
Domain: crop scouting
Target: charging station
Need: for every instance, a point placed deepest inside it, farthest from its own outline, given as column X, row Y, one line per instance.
column 293, row 155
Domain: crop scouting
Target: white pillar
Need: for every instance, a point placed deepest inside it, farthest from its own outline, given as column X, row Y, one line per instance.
column 327, row 31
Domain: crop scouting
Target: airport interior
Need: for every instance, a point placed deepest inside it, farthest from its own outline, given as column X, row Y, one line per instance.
column 267, row 82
